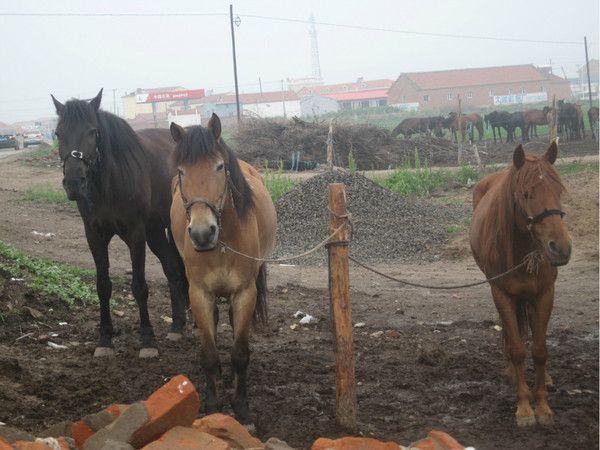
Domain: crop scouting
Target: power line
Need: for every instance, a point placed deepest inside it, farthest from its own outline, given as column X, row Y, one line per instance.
column 418, row 33
column 292, row 20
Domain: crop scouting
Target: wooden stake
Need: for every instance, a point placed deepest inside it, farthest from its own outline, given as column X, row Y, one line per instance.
column 330, row 146
column 341, row 311
column 460, row 131
column 552, row 119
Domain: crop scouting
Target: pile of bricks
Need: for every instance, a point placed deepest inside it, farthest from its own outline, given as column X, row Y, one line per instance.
column 167, row 420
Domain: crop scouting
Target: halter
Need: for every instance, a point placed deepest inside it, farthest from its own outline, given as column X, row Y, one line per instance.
column 531, row 221
column 79, row 155
column 216, row 210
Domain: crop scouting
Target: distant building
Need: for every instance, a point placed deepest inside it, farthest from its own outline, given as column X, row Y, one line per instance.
column 579, row 85
column 132, row 107
column 360, row 85
column 265, row 104
column 317, row 105
column 478, row 88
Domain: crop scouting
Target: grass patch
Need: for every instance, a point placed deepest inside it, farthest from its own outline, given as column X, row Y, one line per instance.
column 47, row 277
column 569, row 169
column 453, row 229
column 46, row 194
column 276, row 182
column 421, row 180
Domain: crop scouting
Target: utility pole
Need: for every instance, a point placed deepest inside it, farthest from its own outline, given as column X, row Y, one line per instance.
column 587, row 66
column 115, row 102
column 237, row 93
column 260, row 85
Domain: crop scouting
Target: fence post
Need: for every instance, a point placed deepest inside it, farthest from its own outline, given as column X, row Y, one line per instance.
column 330, row 146
column 552, row 119
column 460, row 132
column 341, row 311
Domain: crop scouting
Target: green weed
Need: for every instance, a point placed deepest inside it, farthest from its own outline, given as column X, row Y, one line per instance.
column 46, row 194
column 66, row 282
column 276, row 182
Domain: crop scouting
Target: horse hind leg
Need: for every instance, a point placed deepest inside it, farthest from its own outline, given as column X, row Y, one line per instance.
column 136, row 241
column 174, row 270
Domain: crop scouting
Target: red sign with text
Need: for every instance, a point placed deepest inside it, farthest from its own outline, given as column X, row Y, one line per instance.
column 169, row 96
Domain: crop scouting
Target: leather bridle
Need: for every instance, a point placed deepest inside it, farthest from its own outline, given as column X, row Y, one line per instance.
column 217, row 209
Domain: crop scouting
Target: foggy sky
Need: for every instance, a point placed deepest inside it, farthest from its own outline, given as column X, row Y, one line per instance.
column 76, row 56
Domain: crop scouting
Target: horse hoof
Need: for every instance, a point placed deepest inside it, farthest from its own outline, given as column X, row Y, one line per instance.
column 525, row 421
column 546, row 420
column 104, row 352
column 174, row 337
column 148, row 352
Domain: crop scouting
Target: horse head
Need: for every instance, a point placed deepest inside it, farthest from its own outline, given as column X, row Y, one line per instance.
column 209, row 180
column 537, row 187
column 77, row 133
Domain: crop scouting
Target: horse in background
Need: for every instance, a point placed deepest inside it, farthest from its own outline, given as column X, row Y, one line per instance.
column 515, row 120
column 410, row 126
column 532, row 118
column 570, row 120
column 221, row 207
column 453, row 125
column 121, row 181
column 497, row 120
column 593, row 118
column 516, row 212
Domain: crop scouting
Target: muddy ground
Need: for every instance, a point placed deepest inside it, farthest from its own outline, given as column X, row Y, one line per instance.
column 437, row 364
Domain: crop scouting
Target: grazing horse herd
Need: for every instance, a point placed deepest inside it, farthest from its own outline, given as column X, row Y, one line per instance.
column 211, row 222
column 570, row 124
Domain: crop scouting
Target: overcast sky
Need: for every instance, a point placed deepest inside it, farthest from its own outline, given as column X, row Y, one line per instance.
column 76, row 56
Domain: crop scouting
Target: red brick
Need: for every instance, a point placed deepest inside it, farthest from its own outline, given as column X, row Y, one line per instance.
column 81, row 432
column 184, row 438
column 116, row 410
column 230, row 430
column 425, row 444
column 174, row 404
column 445, row 441
column 353, row 443
column 5, row 445
column 30, row 445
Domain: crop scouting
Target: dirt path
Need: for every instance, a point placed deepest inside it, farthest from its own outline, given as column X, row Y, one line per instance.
column 437, row 363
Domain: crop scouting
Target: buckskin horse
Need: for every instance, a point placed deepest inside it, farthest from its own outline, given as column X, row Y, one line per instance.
column 121, row 182
column 516, row 212
column 220, row 209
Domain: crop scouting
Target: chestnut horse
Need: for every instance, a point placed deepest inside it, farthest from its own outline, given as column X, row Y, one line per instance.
column 220, row 203
column 532, row 118
column 515, row 212
column 474, row 119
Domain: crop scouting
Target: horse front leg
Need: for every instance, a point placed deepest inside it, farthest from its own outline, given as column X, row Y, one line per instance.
column 136, row 241
column 242, row 306
column 516, row 354
column 539, row 316
column 203, row 307
column 98, row 244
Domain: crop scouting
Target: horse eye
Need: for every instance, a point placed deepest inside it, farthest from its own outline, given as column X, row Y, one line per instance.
column 220, row 167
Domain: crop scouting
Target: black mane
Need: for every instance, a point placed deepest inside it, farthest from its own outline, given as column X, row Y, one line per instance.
column 122, row 169
column 198, row 144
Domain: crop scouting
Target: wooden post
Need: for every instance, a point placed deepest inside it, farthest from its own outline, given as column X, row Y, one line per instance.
column 552, row 119
column 477, row 158
column 341, row 311
column 330, row 146
column 459, row 131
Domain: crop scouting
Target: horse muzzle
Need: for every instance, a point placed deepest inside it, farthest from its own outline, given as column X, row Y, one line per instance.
column 76, row 189
column 558, row 254
column 204, row 239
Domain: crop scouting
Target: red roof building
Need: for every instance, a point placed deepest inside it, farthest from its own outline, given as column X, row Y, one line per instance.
column 477, row 87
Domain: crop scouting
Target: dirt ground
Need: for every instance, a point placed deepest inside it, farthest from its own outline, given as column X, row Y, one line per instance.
column 437, row 364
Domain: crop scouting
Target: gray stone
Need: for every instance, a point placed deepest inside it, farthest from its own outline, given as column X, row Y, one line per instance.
column 121, row 430
column 277, row 444
column 57, row 430
column 11, row 434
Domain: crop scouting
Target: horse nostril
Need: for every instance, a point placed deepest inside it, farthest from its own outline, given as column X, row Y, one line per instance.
column 213, row 229
column 189, row 228
column 553, row 247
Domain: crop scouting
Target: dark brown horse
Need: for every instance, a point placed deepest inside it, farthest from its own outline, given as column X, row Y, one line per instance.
column 121, row 182
column 221, row 207
column 516, row 212
column 497, row 120
column 408, row 127
column 532, row 118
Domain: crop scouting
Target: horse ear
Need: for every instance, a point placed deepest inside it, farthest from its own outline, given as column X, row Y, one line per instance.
column 177, row 132
column 519, row 156
column 58, row 105
column 214, row 126
column 551, row 153
column 95, row 102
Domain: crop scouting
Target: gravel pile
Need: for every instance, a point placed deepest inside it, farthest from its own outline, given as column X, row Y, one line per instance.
column 387, row 226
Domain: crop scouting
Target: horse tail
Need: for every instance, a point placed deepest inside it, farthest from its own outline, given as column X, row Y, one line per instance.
column 260, row 310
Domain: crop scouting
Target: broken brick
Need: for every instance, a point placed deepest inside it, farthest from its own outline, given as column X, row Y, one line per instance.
column 445, row 441
column 184, row 438
column 353, row 443
column 230, row 430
